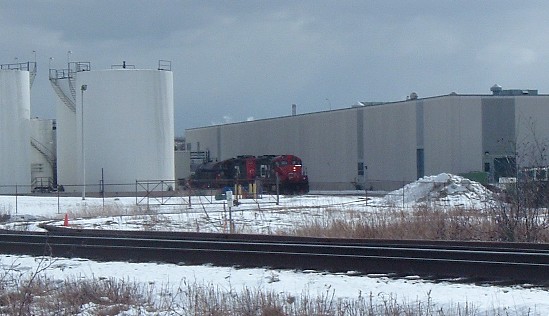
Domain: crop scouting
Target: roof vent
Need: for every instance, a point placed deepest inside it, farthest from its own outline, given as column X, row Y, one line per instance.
column 496, row 89
column 413, row 96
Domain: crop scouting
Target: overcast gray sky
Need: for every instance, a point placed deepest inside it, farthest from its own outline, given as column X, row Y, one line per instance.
column 238, row 60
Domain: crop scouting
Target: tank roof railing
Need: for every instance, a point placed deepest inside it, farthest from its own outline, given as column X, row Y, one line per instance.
column 67, row 73
column 123, row 66
column 165, row 65
column 59, row 74
column 28, row 66
column 78, row 66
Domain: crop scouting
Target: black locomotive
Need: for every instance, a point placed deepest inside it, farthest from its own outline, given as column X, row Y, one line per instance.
column 269, row 170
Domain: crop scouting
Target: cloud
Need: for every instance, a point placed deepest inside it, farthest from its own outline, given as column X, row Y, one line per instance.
column 254, row 59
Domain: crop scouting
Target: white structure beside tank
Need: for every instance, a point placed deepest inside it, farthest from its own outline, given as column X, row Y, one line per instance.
column 14, row 131
column 125, row 118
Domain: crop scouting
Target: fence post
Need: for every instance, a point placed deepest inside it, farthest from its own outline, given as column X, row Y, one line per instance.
column 403, row 194
column 148, row 196
column 277, row 190
column 102, row 188
column 58, row 207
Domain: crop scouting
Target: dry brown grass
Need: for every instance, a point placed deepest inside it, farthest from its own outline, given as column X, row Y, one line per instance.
column 36, row 294
column 112, row 297
column 4, row 214
column 42, row 296
column 107, row 210
column 421, row 223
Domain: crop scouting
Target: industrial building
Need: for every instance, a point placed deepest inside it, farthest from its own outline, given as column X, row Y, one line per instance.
column 383, row 145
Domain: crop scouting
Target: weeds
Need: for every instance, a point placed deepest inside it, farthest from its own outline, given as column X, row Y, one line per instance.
column 523, row 219
column 4, row 217
column 98, row 297
column 505, row 222
column 104, row 211
column 423, row 223
column 5, row 214
column 38, row 295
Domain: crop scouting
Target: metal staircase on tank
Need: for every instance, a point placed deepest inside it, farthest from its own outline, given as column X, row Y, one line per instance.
column 75, row 67
column 48, row 154
column 32, row 72
column 55, row 76
column 72, row 80
column 68, row 74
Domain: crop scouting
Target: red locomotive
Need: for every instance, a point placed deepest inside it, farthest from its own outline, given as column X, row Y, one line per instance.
column 247, row 169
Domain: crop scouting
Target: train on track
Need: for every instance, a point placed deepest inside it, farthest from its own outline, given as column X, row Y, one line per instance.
column 284, row 173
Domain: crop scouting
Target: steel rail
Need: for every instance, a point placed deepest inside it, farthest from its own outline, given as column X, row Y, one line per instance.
column 531, row 247
column 512, row 261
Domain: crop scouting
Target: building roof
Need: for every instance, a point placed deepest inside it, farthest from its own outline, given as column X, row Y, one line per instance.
column 497, row 91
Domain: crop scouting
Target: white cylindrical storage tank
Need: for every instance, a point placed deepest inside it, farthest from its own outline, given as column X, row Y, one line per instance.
column 14, row 131
column 127, row 127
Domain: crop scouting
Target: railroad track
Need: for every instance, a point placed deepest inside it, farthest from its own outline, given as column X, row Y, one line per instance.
column 511, row 262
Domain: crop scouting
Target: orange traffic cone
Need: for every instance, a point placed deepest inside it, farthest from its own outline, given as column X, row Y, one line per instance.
column 66, row 221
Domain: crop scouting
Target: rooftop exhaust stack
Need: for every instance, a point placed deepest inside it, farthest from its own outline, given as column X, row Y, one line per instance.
column 294, row 109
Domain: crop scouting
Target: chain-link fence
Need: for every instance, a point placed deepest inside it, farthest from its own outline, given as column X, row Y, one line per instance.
column 146, row 194
column 436, row 191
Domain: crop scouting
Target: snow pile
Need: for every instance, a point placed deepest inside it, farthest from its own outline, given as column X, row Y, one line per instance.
column 441, row 190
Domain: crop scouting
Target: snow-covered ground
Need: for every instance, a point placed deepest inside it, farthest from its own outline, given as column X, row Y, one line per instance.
column 263, row 216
